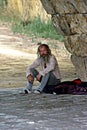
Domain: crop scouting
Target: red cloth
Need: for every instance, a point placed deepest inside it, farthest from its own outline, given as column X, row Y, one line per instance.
column 77, row 81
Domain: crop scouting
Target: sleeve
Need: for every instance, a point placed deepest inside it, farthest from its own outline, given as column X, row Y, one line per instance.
column 35, row 64
column 50, row 66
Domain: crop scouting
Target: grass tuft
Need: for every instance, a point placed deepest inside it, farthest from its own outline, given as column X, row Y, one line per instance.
column 37, row 27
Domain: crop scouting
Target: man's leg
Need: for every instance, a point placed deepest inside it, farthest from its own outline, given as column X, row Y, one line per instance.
column 44, row 82
column 29, row 86
column 53, row 80
column 48, row 80
column 51, row 84
column 34, row 73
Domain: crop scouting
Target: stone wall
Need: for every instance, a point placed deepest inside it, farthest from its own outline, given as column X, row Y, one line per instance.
column 69, row 18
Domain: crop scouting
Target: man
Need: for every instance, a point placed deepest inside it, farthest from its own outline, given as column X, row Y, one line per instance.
column 48, row 75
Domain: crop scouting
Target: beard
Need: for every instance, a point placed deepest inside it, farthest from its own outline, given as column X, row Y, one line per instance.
column 44, row 58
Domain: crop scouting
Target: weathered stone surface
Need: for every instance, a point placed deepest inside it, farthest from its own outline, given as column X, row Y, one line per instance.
column 80, row 64
column 65, row 6
column 70, row 24
column 69, row 18
column 61, row 25
column 77, row 23
column 77, row 44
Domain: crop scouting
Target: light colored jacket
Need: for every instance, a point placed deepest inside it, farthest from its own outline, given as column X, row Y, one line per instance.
column 52, row 66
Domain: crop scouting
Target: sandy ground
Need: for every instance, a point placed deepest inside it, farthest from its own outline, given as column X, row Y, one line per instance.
column 18, row 51
column 42, row 112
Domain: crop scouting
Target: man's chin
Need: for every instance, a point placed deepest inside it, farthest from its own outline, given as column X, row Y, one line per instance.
column 43, row 56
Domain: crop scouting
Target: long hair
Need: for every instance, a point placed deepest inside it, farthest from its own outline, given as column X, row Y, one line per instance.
column 48, row 52
column 47, row 48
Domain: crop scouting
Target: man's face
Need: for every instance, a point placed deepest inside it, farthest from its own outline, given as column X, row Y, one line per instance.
column 43, row 51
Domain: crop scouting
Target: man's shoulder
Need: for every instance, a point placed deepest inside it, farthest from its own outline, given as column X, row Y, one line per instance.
column 53, row 56
column 37, row 58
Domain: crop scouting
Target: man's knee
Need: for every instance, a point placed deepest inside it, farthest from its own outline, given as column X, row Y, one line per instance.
column 48, row 74
column 34, row 72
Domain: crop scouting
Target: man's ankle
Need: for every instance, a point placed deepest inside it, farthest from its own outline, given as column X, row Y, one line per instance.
column 27, row 91
column 37, row 91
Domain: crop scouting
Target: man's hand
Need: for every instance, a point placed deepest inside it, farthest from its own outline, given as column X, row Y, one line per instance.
column 30, row 78
column 38, row 77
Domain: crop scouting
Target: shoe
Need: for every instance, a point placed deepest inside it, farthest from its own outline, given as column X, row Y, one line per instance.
column 26, row 91
column 54, row 93
column 37, row 92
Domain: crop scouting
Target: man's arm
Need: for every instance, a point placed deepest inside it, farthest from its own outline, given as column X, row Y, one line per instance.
column 35, row 64
column 50, row 67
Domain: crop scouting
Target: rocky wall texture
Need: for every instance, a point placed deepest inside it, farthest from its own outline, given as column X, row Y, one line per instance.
column 69, row 18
